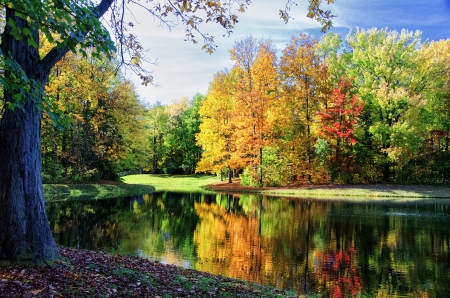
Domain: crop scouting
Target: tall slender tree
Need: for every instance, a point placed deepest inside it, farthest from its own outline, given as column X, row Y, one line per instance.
column 305, row 91
column 217, row 128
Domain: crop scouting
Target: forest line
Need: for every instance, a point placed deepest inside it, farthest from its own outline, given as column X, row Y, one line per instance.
column 370, row 108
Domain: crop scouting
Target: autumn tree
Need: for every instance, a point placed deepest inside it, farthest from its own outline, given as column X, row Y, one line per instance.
column 256, row 89
column 103, row 133
column 305, row 89
column 77, row 25
column 339, row 121
column 217, row 129
column 382, row 63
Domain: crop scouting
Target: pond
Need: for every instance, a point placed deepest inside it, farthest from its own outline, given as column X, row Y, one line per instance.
column 336, row 248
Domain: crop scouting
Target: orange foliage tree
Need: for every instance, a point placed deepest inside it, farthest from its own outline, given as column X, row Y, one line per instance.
column 304, row 92
column 256, row 66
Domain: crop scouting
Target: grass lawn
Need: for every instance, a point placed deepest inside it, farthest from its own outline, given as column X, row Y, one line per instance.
column 368, row 192
column 202, row 183
column 93, row 191
column 179, row 183
column 147, row 183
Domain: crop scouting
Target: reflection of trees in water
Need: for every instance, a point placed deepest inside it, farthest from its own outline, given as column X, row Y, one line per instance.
column 228, row 242
column 126, row 225
column 305, row 245
column 320, row 246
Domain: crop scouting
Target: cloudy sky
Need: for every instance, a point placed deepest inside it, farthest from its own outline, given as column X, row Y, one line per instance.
column 182, row 69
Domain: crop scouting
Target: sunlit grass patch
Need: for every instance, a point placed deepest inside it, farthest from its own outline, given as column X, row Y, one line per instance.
column 183, row 183
column 93, row 191
column 366, row 192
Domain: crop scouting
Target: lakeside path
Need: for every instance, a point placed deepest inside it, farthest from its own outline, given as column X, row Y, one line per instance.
column 391, row 192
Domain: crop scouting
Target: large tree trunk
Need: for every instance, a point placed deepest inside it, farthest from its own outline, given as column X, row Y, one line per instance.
column 23, row 220
column 25, row 231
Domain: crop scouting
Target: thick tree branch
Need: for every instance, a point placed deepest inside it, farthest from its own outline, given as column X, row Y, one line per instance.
column 56, row 53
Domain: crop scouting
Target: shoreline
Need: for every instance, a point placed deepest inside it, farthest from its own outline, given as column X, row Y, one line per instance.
column 348, row 192
column 84, row 273
column 338, row 191
column 103, row 190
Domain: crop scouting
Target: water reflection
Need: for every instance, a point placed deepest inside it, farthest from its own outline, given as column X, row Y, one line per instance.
column 336, row 248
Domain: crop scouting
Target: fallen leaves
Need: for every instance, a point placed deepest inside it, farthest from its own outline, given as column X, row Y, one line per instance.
column 80, row 273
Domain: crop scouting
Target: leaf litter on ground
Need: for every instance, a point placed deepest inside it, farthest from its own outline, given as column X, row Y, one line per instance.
column 82, row 273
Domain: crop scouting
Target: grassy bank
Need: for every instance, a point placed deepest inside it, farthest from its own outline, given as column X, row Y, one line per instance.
column 179, row 183
column 390, row 192
column 202, row 183
column 93, row 191
column 397, row 192
column 80, row 273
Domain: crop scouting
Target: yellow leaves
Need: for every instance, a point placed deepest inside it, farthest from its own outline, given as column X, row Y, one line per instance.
column 261, row 103
column 185, row 6
column 135, row 60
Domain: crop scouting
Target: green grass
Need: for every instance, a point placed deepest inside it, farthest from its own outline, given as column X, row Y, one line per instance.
column 93, row 191
column 181, row 183
column 367, row 192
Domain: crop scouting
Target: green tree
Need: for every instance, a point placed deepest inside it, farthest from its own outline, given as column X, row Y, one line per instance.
column 77, row 24
column 383, row 65
column 179, row 140
column 157, row 120
column 187, row 134
column 431, row 117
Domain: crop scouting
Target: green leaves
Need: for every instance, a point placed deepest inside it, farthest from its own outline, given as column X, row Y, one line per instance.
column 17, row 83
column 14, row 30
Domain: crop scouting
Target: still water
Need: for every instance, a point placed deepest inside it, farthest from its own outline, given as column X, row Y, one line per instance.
column 339, row 249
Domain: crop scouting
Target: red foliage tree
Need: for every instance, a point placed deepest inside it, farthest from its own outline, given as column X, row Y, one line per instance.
column 339, row 120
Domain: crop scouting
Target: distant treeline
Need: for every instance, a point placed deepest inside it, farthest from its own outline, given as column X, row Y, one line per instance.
column 372, row 108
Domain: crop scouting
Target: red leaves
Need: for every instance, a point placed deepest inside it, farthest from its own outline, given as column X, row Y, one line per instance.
column 338, row 271
column 339, row 119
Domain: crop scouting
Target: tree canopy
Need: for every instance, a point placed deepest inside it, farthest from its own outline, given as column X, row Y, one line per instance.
column 368, row 109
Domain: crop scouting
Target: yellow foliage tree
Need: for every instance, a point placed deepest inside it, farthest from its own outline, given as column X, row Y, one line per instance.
column 304, row 92
column 217, row 130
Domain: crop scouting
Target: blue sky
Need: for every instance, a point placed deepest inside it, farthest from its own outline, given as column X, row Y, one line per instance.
column 182, row 69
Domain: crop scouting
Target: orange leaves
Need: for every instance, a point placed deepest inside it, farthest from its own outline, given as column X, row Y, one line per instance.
column 273, row 103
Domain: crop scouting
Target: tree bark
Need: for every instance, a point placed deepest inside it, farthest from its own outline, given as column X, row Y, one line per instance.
column 23, row 219
column 25, row 231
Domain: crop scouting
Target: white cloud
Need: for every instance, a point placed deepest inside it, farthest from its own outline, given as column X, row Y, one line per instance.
column 183, row 69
